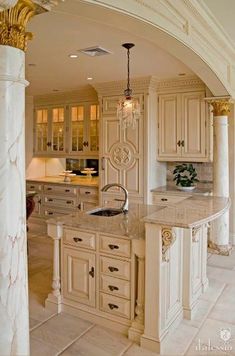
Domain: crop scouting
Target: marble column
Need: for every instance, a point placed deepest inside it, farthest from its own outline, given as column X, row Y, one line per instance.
column 14, row 325
column 219, row 232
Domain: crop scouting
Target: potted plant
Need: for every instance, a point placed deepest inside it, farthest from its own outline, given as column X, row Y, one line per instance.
column 185, row 176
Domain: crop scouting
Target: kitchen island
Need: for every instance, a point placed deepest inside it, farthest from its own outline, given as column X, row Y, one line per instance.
column 140, row 273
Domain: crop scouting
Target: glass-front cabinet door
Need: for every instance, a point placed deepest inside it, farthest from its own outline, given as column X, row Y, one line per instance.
column 93, row 128
column 50, row 130
column 58, row 130
column 41, row 131
column 84, row 128
column 77, row 128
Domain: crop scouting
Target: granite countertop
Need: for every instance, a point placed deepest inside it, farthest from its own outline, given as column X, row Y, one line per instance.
column 78, row 180
column 173, row 190
column 189, row 213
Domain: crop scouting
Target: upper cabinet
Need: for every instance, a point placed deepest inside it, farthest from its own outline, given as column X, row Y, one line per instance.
column 183, row 127
column 67, row 130
column 83, row 128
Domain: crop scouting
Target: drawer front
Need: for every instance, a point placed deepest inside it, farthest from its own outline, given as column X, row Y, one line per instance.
column 79, row 238
column 115, row 286
column 57, row 189
column 53, row 212
column 88, row 193
column 34, row 186
column 61, row 202
column 163, row 199
column 114, row 305
column 115, row 268
column 115, row 246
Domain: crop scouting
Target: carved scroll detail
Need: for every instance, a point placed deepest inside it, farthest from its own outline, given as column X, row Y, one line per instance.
column 168, row 238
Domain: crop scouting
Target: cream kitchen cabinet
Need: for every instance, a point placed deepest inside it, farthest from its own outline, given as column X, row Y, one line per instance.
column 54, row 200
column 66, row 130
column 184, row 127
column 97, row 271
column 122, row 151
column 49, row 131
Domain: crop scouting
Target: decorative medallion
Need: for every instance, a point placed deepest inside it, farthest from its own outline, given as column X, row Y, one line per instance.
column 122, row 155
column 168, row 238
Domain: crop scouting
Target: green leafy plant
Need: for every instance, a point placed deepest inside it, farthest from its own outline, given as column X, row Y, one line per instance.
column 185, row 175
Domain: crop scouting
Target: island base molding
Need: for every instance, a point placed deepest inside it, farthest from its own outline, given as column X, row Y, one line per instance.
column 223, row 250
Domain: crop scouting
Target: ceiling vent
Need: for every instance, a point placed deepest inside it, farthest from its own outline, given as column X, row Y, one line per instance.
column 95, row 51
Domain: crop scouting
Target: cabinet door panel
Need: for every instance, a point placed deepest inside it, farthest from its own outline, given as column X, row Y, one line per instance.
column 169, row 126
column 77, row 281
column 193, row 125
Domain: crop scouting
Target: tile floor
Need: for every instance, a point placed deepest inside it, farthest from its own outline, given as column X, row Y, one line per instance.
column 66, row 335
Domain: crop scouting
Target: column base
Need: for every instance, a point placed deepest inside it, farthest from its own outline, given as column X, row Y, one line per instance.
column 223, row 250
column 135, row 331
column 53, row 303
column 151, row 344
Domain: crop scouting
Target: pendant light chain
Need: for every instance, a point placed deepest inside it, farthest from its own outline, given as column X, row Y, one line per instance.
column 128, row 70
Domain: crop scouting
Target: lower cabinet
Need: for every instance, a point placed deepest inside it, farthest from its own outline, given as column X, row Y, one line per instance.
column 95, row 273
column 79, row 276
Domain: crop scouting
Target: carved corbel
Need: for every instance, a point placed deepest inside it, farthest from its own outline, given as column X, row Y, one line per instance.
column 195, row 231
column 168, row 238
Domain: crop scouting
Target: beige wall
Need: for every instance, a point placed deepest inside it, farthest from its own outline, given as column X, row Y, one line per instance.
column 231, row 131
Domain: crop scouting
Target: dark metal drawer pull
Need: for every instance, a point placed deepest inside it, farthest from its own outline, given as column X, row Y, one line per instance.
column 113, row 306
column 92, row 272
column 77, row 239
column 68, row 202
column 49, row 188
column 50, row 213
column 50, row 199
column 67, row 190
column 113, row 247
column 164, row 199
column 32, row 186
column 87, row 192
column 112, row 288
column 178, row 143
column 113, row 269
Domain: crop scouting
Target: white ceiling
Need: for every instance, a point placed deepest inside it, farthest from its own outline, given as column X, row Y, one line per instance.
column 74, row 25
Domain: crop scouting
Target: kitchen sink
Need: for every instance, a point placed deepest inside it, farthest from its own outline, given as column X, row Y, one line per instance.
column 105, row 212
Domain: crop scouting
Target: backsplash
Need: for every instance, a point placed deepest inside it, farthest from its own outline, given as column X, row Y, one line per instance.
column 204, row 173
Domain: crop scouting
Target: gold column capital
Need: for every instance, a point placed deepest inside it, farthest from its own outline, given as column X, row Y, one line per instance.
column 220, row 106
column 13, row 24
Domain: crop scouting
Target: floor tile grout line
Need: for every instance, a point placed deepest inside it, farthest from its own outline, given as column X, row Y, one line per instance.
column 76, row 339
column 42, row 322
column 126, row 349
column 200, row 327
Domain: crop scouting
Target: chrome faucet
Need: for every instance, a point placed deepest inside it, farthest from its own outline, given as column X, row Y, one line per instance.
column 124, row 207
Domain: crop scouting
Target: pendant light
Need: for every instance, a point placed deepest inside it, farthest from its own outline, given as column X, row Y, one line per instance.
column 128, row 109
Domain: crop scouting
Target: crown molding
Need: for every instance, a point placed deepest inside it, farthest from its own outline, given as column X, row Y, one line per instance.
column 180, row 84
column 138, row 85
column 83, row 94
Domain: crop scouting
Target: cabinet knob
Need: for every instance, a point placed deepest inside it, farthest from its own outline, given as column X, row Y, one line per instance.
column 50, row 199
column 50, row 213
column 79, row 206
column 68, row 202
column 112, row 288
column 179, row 143
column 67, row 190
column 112, row 306
column 49, row 188
column 92, row 272
column 164, row 199
column 48, row 144
column 87, row 192
column 77, row 239
column 182, row 143
column 113, row 247
column 113, row 269
column 39, row 201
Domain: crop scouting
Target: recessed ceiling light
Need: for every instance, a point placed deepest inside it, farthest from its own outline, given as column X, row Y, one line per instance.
column 181, row 74
column 89, row 78
column 73, row 56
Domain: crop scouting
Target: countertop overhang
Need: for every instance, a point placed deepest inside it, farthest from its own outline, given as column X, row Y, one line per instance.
column 191, row 212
